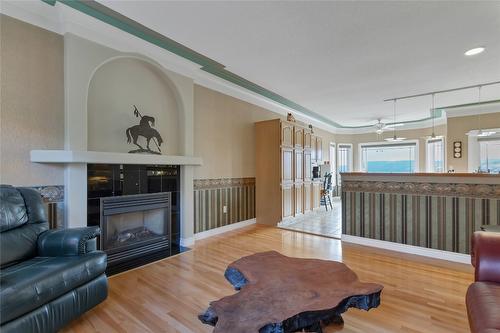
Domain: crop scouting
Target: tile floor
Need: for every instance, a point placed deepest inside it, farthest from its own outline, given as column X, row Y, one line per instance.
column 319, row 222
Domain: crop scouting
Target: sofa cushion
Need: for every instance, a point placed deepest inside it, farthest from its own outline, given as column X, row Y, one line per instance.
column 13, row 212
column 51, row 317
column 483, row 307
column 20, row 243
column 34, row 282
column 22, row 219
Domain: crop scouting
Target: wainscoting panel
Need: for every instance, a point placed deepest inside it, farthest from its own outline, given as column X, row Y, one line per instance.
column 436, row 222
column 211, row 195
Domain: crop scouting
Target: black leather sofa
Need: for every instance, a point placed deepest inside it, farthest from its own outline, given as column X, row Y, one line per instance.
column 47, row 277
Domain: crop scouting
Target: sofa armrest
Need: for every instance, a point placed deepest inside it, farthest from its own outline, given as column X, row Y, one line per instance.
column 67, row 242
column 486, row 256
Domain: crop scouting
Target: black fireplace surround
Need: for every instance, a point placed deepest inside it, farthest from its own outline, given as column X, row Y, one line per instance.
column 138, row 210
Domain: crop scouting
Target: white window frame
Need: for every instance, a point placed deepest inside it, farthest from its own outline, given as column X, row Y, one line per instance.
column 473, row 158
column 493, row 138
column 351, row 155
column 385, row 143
column 427, row 164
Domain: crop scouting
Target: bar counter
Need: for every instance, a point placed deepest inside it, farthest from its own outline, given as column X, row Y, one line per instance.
column 436, row 211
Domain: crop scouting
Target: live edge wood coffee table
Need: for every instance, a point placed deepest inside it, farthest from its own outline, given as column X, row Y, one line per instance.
column 282, row 294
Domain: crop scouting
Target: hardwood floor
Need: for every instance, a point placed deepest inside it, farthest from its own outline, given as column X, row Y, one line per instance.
column 420, row 295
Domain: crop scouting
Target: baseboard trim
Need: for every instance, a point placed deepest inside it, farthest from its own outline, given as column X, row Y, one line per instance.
column 410, row 249
column 226, row 228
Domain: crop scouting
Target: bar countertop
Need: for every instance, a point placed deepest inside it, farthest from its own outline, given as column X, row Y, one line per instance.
column 450, row 178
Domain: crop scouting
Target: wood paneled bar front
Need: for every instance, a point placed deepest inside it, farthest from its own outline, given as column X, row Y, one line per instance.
column 436, row 211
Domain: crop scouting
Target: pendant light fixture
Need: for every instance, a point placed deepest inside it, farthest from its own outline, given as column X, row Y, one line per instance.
column 395, row 138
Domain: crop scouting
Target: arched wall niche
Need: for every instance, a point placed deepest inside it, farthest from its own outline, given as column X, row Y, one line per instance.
column 115, row 87
column 83, row 60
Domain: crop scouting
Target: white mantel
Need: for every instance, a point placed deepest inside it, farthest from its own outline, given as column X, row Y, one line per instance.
column 100, row 157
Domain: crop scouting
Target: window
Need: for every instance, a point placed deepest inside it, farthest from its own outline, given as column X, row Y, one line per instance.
column 389, row 158
column 435, row 155
column 344, row 159
column 489, row 154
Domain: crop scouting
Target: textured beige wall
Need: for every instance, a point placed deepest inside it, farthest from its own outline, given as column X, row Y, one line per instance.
column 224, row 134
column 457, row 131
column 114, row 89
column 416, row 134
column 31, row 102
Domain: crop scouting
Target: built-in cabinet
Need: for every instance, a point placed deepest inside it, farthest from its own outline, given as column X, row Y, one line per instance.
column 316, row 194
column 285, row 153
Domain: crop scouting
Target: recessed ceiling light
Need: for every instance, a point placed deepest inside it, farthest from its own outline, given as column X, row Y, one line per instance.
column 474, row 51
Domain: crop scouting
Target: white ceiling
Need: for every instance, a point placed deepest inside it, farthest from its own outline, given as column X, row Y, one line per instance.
column 341, row 59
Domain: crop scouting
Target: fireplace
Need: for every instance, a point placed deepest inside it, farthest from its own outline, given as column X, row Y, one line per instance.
column 137, row 209
column 135, row 225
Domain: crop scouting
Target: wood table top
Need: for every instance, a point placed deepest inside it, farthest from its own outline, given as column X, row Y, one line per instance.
column 278, row 290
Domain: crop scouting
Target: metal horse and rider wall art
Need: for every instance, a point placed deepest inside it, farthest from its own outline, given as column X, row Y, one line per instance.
column 145, row 130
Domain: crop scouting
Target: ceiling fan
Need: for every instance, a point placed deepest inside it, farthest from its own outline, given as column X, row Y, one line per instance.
column 380, row 127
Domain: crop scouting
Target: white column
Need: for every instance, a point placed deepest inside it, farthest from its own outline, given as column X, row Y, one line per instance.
column 75, row 134
column 187, row 206
column 81, row 58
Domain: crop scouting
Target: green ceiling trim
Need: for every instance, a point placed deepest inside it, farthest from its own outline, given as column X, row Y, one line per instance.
column 119, row 21
column 50, row 2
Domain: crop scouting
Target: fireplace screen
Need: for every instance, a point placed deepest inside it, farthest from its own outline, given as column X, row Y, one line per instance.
column 134, row 221
column 136, row 227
